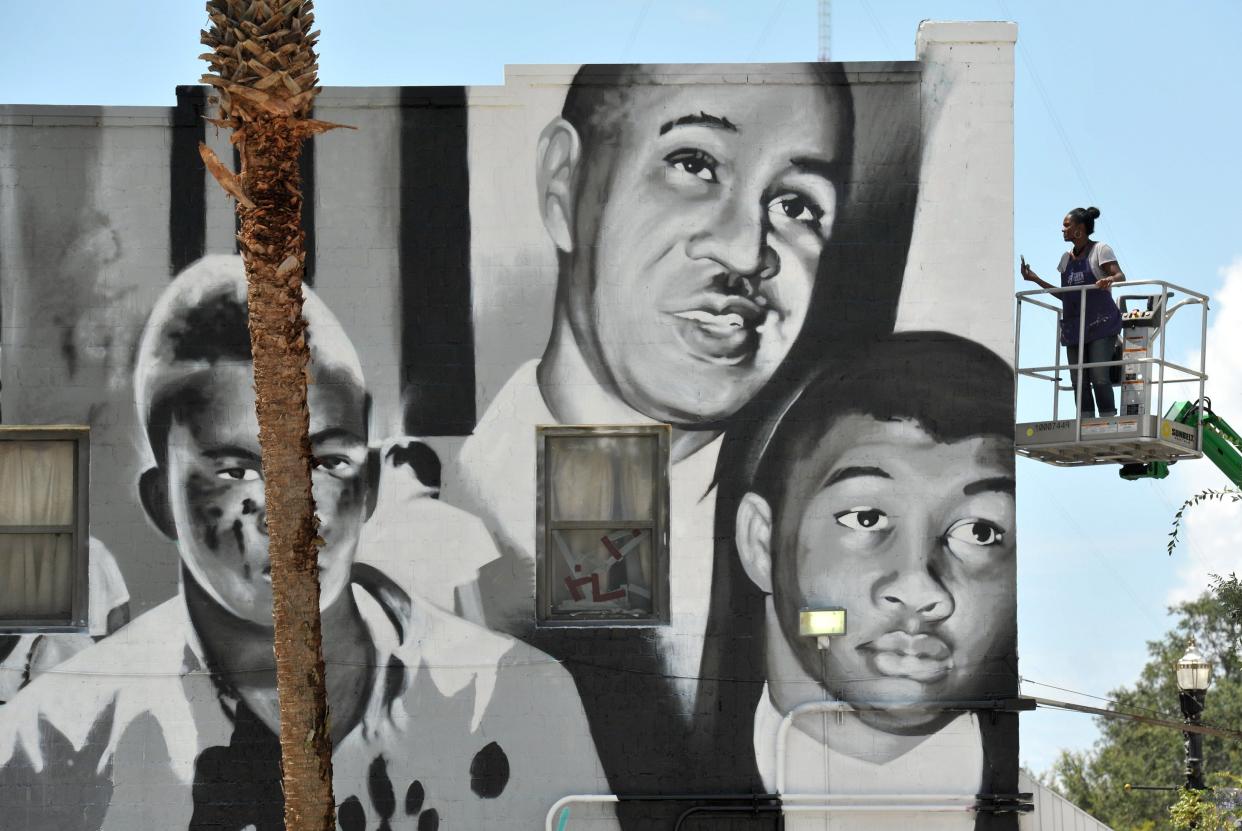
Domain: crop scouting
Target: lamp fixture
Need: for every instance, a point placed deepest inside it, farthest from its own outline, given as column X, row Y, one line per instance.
column 821, row 624
column 1194, row 673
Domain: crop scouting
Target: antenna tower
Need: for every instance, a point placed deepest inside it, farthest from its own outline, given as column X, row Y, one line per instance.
column 825, row 30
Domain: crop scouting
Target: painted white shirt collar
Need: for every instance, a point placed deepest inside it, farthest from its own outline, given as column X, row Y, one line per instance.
column 948, row 762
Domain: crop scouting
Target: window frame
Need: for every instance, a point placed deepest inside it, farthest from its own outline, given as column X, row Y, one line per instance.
column 544, row 526
column 79, row 617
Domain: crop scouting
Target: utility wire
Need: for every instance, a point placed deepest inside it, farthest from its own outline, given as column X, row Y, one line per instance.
column 1091, row 549
column 1167, row 720
column 767, row 28
column 879, row 27
column 1052, row 113
column 1193, row 547
column 1159, row 715
column 1024, row 680
column 638, row 24
column 1171, row 724
column 498, row 667
column 1106, row 700
column 1031, row 69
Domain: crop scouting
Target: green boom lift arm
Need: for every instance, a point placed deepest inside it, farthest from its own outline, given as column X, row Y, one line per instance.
column 1221, row 443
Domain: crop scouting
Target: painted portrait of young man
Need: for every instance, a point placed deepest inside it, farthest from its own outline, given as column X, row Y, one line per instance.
column 421, row 701
column 886, row 489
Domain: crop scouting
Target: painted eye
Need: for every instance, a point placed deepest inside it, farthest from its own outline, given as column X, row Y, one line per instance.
column 863, row 518
column 238, row 474
column 976, row 532
column 695, row 162
column 331, row 463
column 798, row 208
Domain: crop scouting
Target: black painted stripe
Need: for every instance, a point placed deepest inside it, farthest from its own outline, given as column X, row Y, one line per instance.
column 306, row 165
column 236, row 216
column 187, row 207
column 437, row 332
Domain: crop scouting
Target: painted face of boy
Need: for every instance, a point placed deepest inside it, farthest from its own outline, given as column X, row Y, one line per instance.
column 215, row 488
column 699, row 234
column 915, row 538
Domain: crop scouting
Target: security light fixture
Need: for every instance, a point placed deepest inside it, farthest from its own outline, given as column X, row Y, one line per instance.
column 821, row 624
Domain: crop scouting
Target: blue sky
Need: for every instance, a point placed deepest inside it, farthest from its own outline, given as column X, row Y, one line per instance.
column 1131, row 106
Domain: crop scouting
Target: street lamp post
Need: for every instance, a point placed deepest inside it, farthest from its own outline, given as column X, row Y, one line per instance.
column 1193, row 675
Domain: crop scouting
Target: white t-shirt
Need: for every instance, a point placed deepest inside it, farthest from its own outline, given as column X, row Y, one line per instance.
column 454, row 704
column 948, row 762
column 1100, row 254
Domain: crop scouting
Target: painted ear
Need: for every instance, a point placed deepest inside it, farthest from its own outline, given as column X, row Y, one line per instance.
column 754, row 540
column 153, row 489
column 560, row 149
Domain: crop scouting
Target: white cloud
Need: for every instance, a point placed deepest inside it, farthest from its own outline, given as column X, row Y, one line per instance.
column 1212, row 535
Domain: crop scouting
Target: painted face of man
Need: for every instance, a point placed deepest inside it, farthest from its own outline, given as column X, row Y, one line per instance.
column 215, row 488
column 914, row 538
column 699, row 234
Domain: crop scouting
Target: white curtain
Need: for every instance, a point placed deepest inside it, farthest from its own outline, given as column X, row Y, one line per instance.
column 602, row 478
column 36, row 482
column 36, row 488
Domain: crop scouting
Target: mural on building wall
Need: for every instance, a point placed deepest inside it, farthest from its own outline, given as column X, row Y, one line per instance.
column 707, row 235
column 194, row 700
column 726, row 258
column 886, row 498
column 689, row 222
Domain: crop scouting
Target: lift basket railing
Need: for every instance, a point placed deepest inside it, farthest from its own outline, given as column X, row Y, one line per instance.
column 1139, row 432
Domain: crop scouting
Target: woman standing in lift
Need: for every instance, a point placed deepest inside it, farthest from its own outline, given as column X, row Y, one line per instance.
column 1099, row 322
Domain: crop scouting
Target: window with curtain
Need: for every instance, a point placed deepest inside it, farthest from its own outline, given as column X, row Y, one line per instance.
column 43, row 553
column 603, row 524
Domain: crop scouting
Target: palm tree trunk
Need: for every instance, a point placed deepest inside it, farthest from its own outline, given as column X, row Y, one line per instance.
column 271, row 236
column 264, row 70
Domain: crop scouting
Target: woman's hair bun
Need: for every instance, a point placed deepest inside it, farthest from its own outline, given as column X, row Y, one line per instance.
column 1085, row 217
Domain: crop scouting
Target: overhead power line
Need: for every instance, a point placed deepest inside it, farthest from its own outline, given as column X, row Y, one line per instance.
column 1052, row 113
column 1079, row 169
column 777, row 10
column 879, row 27
column 1180, row 726
column 638, row 24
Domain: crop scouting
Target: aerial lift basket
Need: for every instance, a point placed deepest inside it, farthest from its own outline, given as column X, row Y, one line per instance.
column 1141, row 433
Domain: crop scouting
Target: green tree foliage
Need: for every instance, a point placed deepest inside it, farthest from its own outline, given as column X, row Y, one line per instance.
column 1140, row 754
column 1209, row 495
column 1228, row 589
column 1194, row 811
column 1229, row 593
